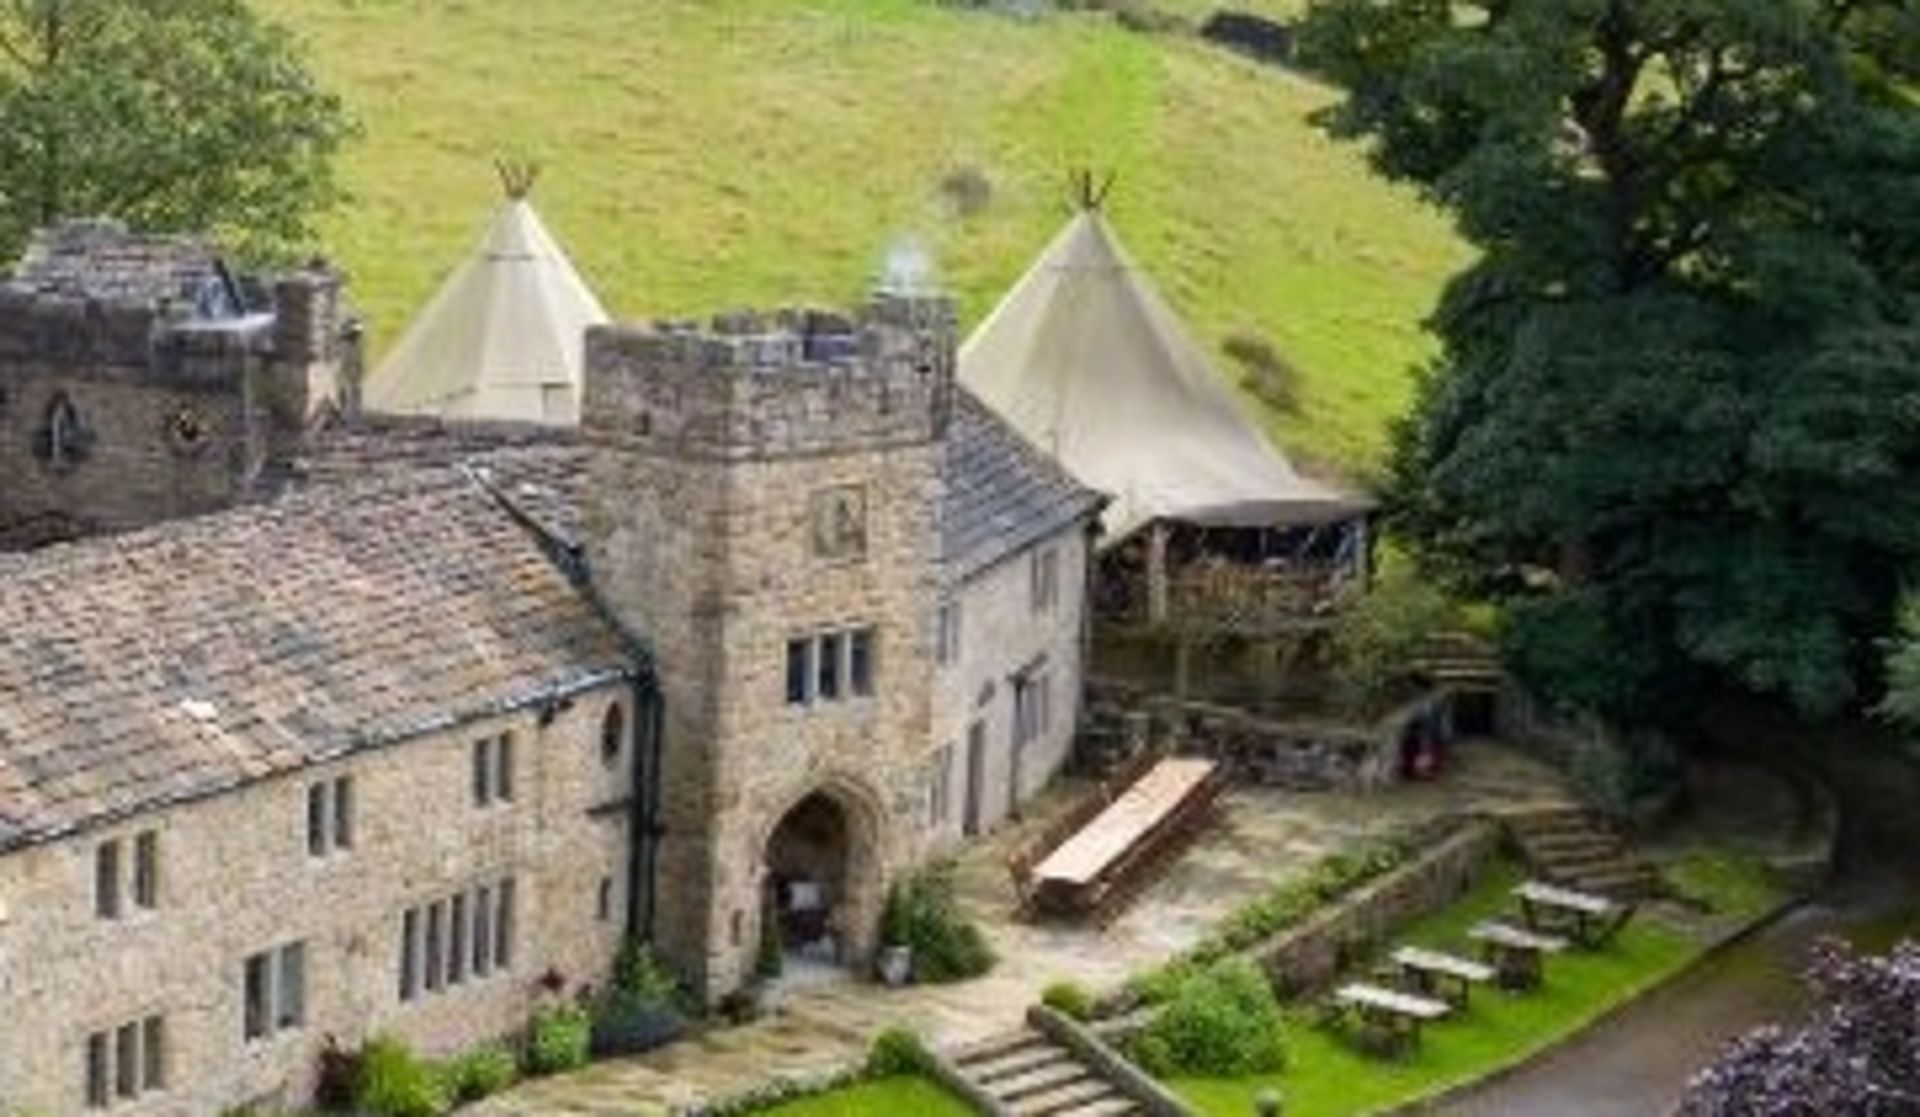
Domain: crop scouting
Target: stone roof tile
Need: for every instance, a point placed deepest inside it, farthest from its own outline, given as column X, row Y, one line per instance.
column 187, row 659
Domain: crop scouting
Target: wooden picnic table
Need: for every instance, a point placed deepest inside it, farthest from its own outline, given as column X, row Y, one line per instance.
column 1389, row 1019
column 1130, row 818
column 1587, row 919
column 1437, row 974
column 1517, row 954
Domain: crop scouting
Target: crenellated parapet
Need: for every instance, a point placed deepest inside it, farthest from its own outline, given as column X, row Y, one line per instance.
column 792, row 382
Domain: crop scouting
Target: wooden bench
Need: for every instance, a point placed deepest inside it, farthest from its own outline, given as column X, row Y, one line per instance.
column 1435, row 974
column 1390, row 1020
column 1090, row 870
column 1590, row 921
column 1516, row 954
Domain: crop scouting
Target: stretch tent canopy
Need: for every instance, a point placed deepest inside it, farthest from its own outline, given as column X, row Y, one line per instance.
column 1086, row 360
column 504, row 337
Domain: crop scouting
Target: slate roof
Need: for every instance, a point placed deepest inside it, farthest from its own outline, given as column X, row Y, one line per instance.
column 101, row 260
column 188, row 659
column 1003, row 495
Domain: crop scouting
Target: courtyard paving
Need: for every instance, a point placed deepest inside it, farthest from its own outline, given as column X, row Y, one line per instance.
column 825, row 1022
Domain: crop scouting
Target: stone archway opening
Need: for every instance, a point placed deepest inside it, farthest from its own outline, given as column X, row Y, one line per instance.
column 814, row 865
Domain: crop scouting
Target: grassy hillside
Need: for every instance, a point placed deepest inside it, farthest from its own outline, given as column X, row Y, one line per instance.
column 700, row 154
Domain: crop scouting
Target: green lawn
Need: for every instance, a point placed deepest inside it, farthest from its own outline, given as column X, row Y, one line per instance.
column 1328, row 1078
column 887, row 1097
column 701, row 154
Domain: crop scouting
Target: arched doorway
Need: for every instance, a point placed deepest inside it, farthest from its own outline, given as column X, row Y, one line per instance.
column 818, row 861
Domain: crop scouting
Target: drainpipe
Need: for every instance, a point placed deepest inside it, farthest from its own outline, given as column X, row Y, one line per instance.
column 644, row 827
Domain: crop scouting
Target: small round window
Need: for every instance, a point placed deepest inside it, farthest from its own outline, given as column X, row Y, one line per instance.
column 188, row 432
column 613, row 734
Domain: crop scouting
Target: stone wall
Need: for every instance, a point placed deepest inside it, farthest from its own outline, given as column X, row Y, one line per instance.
column 236, row 878
column 1309, row 956
column 1002, row 634
column 763, row 482
column 1301, row 754
column 178, row 418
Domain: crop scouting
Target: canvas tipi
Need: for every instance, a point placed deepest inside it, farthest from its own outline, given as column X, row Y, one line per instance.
column 1085, row 359
column 504, row 336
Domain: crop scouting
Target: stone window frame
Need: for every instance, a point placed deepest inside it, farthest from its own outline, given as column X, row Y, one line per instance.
column 1044, row 579
column 126, row 1062
column 330, row 817
column 64, row 439
column 273, row 992
column 949, row 632
column 1032, row 705
column 940, row 787
column 834, row 666
column 455, row 940
column 126, row 875
column 613, row 733
column 491, row 767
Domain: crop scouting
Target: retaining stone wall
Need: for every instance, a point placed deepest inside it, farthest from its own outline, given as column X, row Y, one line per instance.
column 1309, row 956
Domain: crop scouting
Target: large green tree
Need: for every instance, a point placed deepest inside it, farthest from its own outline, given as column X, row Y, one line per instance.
column 168, row 114
column 1675, row 421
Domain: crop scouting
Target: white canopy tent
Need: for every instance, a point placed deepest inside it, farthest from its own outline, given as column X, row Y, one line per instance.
column 504, row 337
column 1086, row 360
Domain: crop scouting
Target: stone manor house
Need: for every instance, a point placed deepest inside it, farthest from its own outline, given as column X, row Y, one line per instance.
column 317, row 726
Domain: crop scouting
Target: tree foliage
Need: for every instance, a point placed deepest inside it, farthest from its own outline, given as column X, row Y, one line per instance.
column 1902, row 701
column 1676, row 415
column 1858, row 1056
column 172, row 115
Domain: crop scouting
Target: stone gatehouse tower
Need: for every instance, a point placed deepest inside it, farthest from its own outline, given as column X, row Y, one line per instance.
column 766, row 512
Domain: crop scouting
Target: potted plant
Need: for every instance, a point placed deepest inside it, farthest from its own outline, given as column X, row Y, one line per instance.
column 895, row 960
column 768, row 966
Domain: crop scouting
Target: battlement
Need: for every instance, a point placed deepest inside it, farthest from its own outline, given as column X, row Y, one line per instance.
column 794, row 381
column 91, row 299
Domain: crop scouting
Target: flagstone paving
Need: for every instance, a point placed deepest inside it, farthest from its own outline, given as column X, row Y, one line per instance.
column 1264, row 835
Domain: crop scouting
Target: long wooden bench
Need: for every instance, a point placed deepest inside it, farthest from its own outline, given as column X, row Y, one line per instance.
column 1071, row 821
column 1095, row 866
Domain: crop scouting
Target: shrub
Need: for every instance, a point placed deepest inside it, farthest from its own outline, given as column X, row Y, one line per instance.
column 338, row 1082
column 1224, row 1022
column 394, row 1082
column 559, row 1039
column 922, row 913
column 482, row 1072
column 1270, row 377
column 897, row 1052
column 1331, row 878
column 772, row 960
column 1849, row 1057
column 643, row 1006
column 1380, row 635
column 1069, row 999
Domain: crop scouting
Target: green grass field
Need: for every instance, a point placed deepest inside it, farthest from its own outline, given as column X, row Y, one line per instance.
column 700, row 154
column 1327, row 1077
column 886, row 1097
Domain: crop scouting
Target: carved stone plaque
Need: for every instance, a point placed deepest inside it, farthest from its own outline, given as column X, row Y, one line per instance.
column 839, row 518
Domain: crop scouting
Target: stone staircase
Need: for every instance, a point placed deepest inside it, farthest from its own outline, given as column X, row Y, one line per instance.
column 1459, row 659
column 1573, row 847
column 1033, row 1076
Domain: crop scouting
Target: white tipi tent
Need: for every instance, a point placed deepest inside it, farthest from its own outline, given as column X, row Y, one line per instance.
column 1085, row 359
column 504, row 337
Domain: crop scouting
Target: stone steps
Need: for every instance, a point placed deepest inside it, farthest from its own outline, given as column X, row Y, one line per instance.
column 1032, row 1076
column 1572, row 847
